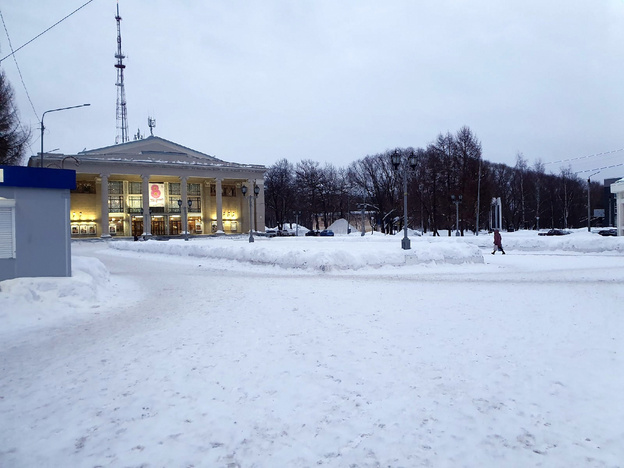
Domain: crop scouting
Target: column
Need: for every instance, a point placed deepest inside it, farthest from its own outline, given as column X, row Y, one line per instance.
column 104, row 211
column 259, row 212
column 251, row 209
column 147, row 218
column 184, row 207
column 619, row 215
column 206, row 208
column 219, row 207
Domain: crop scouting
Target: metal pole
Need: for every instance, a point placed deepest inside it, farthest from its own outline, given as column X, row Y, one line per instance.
column 251, row 239
column 185, row 222
column 457, row 218
column 588, row 201
column 405, row 243
column 363, row 219
column 478, row 198
column 41, row 154
column 588, row 206
column 42, row 127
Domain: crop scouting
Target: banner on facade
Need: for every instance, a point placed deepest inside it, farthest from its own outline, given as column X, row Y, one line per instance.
column 157, row 195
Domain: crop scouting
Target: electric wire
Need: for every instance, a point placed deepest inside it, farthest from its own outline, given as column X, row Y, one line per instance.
column 19, row 71
column 42, row 33
column 585, row 157
column 607, row 161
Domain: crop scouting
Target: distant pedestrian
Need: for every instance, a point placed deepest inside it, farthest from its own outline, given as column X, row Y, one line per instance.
column 498, row 242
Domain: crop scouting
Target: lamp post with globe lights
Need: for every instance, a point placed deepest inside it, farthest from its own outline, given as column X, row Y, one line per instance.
column 185, row 217
column 256, row 192
column 398, row 161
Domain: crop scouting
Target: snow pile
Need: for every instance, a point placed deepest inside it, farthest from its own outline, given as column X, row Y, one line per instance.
column 324, row 254
column 340, row 227
column 86, row 288
column 579, row 240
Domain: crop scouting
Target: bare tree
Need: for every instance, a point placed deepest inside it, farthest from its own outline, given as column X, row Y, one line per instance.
column 13, row 136
column 279, row 181
column 309, row 180
column 375, row 180
column 468, row 155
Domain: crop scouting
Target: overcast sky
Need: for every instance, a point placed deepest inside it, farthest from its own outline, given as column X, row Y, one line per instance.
column 329, row 80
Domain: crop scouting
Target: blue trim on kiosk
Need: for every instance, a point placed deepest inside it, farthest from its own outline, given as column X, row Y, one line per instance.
column 37, row 177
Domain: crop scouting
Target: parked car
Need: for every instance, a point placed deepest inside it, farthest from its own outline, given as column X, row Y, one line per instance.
column 326, row 233
column 285, row 233
column 270, row 233
column 312, row 232
column 554, row 232
column 608, row 232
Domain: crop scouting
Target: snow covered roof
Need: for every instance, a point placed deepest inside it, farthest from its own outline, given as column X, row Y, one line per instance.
column 618, row 186
column 153, row 151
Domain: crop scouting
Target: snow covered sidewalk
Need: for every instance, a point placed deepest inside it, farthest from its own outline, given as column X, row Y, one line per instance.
column 169, row 359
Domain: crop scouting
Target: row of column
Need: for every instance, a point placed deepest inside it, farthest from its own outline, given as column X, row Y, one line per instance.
column 147, row 220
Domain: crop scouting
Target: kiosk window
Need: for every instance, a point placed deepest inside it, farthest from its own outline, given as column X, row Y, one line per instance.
column 7, row 230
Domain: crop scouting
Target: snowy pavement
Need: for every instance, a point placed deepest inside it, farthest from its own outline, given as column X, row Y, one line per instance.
column 167, row 354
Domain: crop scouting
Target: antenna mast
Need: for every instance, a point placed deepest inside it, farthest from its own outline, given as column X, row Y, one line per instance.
column 122, row 113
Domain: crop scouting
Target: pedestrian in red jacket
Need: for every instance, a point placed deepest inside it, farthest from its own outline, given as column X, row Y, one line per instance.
column 498, row 242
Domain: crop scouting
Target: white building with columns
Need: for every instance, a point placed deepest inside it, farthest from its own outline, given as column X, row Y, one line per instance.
column 154, row 187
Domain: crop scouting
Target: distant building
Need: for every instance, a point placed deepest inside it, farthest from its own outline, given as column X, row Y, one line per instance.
column 153, row 186
column 34, row 222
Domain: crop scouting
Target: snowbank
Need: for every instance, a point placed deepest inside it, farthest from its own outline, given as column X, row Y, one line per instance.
column 322, row 254
column 33, row 296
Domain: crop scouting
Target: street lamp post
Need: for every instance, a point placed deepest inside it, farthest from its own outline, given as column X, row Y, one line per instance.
column 184, row 213
column 297, row 213
column 457, row 201
column 396, row 162
column 256, row 192
column 42, row 127
column 588, row 201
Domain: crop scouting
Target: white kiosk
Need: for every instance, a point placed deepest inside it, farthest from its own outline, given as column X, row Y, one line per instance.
column 617, row 188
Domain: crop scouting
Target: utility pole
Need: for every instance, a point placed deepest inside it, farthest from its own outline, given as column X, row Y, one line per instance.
column 478, row 197
column 589, row 201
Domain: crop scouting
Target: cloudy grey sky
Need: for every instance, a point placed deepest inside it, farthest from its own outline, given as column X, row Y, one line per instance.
column 329, row 80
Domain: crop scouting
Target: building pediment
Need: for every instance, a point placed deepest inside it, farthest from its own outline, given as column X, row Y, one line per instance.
column 151, row 149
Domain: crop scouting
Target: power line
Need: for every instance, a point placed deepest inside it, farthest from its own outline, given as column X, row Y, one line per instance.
column 19, row 71
column 41, row 34
column 585, row 157
column 600, row 168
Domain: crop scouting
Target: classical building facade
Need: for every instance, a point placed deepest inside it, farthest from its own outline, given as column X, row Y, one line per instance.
column 154, row 187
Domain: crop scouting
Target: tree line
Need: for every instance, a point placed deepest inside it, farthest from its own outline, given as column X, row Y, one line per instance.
column 449, row 184
column 451, row 166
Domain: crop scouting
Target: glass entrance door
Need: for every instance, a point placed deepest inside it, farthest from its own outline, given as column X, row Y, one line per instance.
column 175, row 226
column 158, row 226
column 137, row 226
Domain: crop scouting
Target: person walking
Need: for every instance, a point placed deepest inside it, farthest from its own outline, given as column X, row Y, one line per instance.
column 498, row 242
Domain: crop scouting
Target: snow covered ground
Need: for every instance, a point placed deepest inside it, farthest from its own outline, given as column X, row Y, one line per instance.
column 302, row 352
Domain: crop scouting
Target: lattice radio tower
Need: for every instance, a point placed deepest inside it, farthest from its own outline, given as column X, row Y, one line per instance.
column 122, row 113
